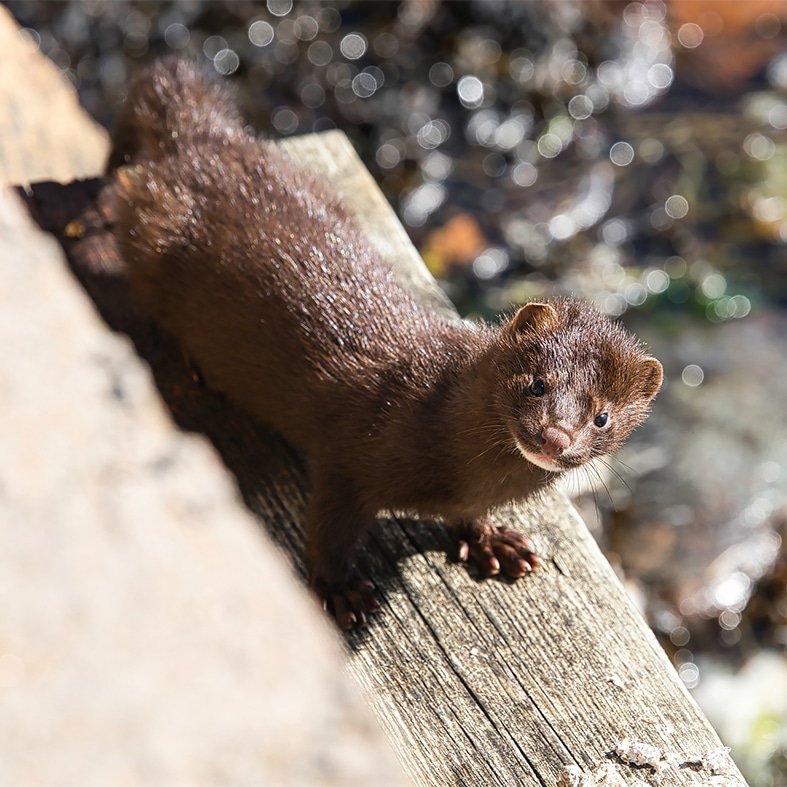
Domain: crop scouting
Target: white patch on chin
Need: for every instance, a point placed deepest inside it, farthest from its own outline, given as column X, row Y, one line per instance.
column 540, row 460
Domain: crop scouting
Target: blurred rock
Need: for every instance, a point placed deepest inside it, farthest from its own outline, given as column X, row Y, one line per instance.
column 149, row 633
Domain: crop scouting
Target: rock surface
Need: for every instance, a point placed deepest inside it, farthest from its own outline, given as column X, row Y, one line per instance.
column 149, row 632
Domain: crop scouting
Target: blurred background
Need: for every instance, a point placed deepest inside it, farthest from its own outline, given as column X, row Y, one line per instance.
column 632, row 153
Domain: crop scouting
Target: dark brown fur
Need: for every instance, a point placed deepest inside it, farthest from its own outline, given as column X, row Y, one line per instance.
column 284, row 307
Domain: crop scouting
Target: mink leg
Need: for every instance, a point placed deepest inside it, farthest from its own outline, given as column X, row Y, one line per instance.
column 333, row 527
column 494, row 549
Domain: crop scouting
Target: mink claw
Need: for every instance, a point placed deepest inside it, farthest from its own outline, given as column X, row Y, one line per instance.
column 497, row 550
column 347, row 618
column 350, row 603
column 484, row 559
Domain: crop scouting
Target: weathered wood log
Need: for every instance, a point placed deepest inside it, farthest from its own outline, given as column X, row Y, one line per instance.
column 475, row 682
column 41, row 119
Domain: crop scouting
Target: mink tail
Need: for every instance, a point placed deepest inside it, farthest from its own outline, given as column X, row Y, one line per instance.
column 170, row 103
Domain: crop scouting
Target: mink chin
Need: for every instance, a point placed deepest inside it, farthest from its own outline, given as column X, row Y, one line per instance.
column 283, row 305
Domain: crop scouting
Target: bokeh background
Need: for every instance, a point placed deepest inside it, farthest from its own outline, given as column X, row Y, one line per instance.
column 632, row 153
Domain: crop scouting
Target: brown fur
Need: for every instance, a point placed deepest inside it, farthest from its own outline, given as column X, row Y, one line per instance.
column 284, row 307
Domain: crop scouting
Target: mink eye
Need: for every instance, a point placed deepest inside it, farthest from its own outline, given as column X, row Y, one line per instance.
column 601, row 420
column 537, row 388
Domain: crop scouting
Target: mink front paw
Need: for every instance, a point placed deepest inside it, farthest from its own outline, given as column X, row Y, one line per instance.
column 349, row 602
column 495, row 549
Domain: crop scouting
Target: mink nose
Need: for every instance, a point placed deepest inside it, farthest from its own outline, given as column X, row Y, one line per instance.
column 554, row 441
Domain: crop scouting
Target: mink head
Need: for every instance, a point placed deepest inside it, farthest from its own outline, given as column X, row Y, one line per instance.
column 571, row 384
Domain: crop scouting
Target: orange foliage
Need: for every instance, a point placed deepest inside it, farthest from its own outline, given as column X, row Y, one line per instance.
column 740, row 37
column 456, row 244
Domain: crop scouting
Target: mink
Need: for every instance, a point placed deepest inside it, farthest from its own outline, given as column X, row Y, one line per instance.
column 285, row 307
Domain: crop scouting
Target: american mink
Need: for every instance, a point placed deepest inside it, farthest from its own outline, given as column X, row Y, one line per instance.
column 273, row 292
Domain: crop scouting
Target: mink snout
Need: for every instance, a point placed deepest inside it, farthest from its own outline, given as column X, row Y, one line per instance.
column 554, row 441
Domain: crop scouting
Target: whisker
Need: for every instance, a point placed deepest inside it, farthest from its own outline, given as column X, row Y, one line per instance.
column 599, row 478
column 614, row 458
column 486, row 451
column 594, row 491
column 497, row 437
column 604, row 460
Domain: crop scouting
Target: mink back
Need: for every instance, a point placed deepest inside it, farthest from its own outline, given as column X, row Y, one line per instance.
column 255, row 266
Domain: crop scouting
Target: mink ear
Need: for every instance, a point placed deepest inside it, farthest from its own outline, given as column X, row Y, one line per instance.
column 650, row 375
column 533, row 317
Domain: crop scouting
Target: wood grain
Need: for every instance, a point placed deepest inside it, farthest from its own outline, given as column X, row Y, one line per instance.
column 45, row 134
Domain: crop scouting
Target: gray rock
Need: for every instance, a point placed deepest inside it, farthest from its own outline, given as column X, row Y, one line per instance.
column 149, row 633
